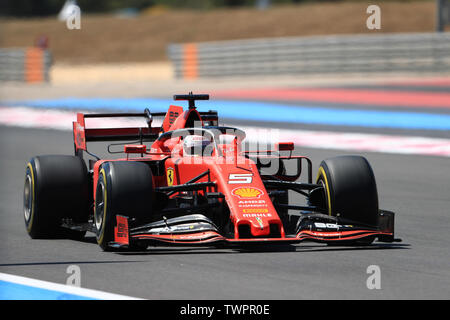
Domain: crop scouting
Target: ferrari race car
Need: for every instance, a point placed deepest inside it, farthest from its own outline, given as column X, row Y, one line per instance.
column 194, row 183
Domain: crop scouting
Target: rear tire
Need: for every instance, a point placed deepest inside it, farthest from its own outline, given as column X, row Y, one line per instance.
column 56, row 187
column 123, row 188
column 350, row 189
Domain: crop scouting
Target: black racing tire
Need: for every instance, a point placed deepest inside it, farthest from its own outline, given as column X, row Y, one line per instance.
column 350, row 189
column 56, row 187
column 123, row 188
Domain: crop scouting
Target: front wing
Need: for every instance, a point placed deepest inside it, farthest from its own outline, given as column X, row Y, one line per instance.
column 197, row 229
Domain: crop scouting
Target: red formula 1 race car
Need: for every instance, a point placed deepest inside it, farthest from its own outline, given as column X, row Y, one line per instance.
column 193, row 183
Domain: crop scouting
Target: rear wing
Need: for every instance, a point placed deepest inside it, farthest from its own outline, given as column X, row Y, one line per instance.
column 82, row 135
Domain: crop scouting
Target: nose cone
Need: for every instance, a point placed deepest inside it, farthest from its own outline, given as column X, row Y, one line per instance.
column 259, row 227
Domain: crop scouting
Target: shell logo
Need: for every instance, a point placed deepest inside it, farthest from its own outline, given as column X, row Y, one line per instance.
column 247, row 192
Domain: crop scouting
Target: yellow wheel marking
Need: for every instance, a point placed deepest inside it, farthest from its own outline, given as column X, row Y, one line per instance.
column 327, row 187
column 102, row 172
column 30, row 223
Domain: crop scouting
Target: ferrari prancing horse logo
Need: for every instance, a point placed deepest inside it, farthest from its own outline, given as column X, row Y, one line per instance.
column 170, row 176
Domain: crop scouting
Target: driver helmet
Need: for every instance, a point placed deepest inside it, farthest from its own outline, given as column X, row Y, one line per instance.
column 197, row 145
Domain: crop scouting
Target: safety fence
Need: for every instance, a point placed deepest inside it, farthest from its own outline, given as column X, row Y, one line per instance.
column 424, row 52
column 30, row 65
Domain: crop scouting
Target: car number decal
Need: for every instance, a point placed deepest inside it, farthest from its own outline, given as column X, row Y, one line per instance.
column 236, row 178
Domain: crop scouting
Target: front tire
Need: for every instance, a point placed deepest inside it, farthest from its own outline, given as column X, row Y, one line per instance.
column 123, row 188
column 350, row 190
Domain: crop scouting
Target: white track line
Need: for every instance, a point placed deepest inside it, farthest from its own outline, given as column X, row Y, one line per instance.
column 62, row 120
column 60, row 288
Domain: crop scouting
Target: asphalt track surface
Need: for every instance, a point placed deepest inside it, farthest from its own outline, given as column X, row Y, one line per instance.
column 415, row 187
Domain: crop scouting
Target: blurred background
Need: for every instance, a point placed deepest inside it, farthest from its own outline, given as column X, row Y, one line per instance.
column 121, row 40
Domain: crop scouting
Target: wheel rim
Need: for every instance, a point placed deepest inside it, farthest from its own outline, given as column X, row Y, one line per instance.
column 27, row 198
column 99, row 206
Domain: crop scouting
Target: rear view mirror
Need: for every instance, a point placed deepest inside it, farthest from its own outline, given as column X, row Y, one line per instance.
column 135, row 148
column 285, row 146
